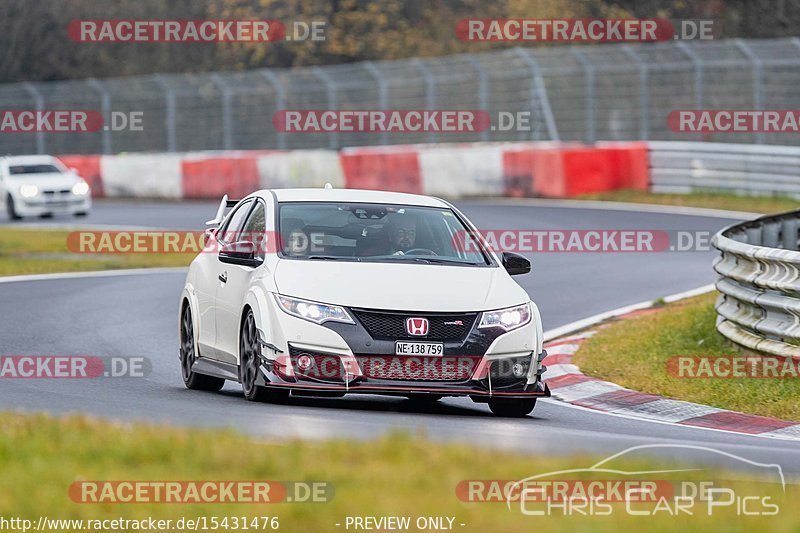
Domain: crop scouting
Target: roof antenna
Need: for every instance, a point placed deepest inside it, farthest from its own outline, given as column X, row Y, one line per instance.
column 328, row 185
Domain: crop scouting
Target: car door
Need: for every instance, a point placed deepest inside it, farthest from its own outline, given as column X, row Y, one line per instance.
column 208, row 280
column 231, row 292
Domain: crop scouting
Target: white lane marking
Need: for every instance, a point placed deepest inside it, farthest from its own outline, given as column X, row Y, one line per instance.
column 787, row 432
column 92, row 274
column 584, row 389
column 772, row 435
column 669, row 410
column 566, row 329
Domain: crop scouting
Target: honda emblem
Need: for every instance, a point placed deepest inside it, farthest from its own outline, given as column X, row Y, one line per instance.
column 417, row 326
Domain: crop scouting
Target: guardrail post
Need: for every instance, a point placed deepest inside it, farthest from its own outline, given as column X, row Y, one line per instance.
column 588, row 70
column 538, row 94
column 169, row 117
column 330, row 92
column 38, row 103
column 227, row 119
column 758, row 81
column 383, row 93
column 430, row 90
column 644, row 93
column 789, row 234
column 280, row 100
column 483, row 91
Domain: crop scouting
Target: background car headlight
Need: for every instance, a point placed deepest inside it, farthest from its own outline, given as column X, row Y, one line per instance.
column 508, row 318
column 313, row 311
column 28, row 191
column 80, row 189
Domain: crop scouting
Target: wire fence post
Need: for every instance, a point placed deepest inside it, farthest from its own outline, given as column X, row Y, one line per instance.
column 538, row 94
column 330, row 92
column 169, row 116
column 483, row 90
column 280, row 101
column 227, row 118
column 697, row 62
column 105, row 107
column 588, row 70
column 644, row 93
column 430, row 91
column 758, row 81
column 383, row 93
column 38, row 103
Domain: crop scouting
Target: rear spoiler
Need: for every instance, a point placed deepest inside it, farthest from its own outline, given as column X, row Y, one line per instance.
column 220, row 216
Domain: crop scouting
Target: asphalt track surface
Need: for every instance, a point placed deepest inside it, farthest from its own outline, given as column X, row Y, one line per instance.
column 136, row 315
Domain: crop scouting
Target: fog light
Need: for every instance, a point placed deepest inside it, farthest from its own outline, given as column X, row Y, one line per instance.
column 519, row 370
column 304, row 362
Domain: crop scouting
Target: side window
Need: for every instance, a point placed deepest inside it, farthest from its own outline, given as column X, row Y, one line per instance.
column 255, row 230
column 232, row 228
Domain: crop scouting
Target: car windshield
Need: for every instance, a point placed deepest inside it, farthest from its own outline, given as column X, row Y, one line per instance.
column 376, row 233
column 34, row 169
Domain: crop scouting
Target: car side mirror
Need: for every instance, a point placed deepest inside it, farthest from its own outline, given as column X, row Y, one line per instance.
column 516, row 264
column 239, row 253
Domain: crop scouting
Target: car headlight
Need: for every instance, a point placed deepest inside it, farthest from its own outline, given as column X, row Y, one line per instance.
column 508, row 318
column 313, row 311
column 28, row 191
column 80, row 189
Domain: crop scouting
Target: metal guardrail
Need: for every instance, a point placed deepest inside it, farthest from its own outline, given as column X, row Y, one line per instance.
column 744, row 169
column 759, row 303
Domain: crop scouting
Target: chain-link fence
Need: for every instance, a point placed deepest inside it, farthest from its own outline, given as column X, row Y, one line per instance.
column 573, row 93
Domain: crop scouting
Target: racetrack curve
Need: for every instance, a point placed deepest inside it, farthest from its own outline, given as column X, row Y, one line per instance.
column 136, row 315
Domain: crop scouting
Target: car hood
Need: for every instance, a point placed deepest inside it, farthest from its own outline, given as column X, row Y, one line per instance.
column 415, row 287
column 45, row 182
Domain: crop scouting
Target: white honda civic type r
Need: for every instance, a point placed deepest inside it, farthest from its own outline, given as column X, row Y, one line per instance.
column 328, row 292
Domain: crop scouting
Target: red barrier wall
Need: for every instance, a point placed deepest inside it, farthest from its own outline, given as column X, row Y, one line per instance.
column 215, row 176
column 391, row 171
column 88, row 167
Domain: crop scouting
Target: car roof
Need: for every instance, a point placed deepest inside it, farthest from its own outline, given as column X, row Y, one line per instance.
column 352, row 195
column 30, row 159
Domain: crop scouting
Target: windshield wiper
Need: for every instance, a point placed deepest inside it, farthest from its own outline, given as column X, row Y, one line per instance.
column 428, row 260
column 332, row 258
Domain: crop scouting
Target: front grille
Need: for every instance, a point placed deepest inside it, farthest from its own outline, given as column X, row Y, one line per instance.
column 417, row 368
column 324, row 367
column 392, row 324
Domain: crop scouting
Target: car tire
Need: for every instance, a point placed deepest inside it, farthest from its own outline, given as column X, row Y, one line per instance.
column 249, row 363
column 513, row 408
column 11, row 209
column 188, row 352
column 81, row 214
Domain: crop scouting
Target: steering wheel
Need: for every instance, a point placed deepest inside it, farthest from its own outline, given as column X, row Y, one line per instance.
column 420, row 251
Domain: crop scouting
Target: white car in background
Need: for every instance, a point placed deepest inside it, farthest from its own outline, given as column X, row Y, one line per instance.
column 331, row 292
column 40, row 185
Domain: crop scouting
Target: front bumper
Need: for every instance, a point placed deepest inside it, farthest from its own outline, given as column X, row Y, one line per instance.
column 40, row 205
column 337, row 359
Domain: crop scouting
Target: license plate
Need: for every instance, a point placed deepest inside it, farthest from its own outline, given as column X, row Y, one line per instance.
column 419, row 348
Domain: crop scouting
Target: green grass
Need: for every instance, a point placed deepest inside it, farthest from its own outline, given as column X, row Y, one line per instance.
column 633, row 353
column 713, row 200
column 24, row 251
column 399, row 475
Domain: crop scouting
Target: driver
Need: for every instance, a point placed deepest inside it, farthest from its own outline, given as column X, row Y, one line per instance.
column 402, row 234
